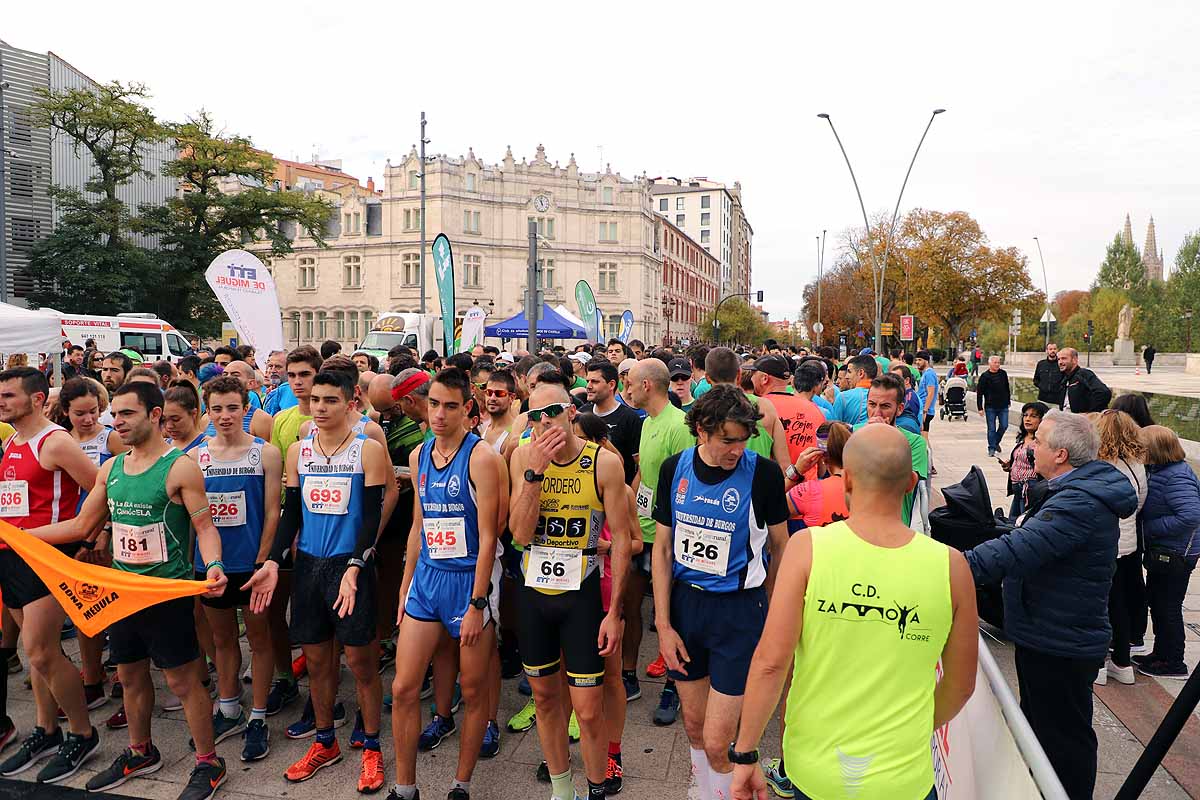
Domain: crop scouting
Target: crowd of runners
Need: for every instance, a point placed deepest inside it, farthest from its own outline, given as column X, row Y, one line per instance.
column 488, row 516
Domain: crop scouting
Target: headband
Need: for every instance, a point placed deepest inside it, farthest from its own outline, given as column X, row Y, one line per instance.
column 406, row 387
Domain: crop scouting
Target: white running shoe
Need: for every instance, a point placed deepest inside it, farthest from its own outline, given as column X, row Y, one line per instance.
column 1101, row 677
column 1121, row 674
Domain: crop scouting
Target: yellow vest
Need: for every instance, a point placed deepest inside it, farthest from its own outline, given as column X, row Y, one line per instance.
column 572, row 514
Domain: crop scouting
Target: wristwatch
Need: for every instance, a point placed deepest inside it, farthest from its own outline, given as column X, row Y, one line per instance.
column 791, row 474
column 479, row 602
column 749, row 757
column 533, row 477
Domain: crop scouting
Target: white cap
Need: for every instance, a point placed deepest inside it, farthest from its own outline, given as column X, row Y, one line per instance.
column 582, row 358
column 626, row 365
column 506, row 357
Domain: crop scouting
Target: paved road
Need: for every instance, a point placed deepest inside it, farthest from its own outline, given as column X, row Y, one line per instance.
column 656, row 759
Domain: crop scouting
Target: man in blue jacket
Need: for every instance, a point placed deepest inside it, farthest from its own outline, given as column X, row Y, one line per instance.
column 1057, row 567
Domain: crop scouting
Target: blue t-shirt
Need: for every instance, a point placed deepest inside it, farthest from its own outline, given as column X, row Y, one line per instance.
column 929, row 382
column 448, row 510
column 851, row 406
column 281, row 398
column 236, row 496
column 823, row 404
column 331, row 492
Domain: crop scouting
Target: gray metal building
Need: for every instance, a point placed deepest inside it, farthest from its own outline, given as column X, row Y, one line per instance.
column 31, row 160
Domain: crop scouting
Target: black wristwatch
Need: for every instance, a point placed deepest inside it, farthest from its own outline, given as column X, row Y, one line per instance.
column 749, row 757
column 533, row 477
column 479, row 602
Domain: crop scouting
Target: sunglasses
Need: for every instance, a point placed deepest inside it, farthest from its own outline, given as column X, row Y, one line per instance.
column 496, row 392
column 480, row 385
column 551, row 411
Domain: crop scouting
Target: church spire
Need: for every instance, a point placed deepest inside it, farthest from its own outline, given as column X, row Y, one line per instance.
column 1127, row 234
column 1151, row 258
column 1151, row 242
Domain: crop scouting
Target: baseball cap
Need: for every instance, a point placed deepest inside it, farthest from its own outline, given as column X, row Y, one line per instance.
column 582, row 358
column 679, row 367
column 626, row 365
column 209, row 371
column 775, row 366
column 506, row 357
column 866, row 351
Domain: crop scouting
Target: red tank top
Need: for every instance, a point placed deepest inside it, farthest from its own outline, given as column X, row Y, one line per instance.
column 30, row 494
column 800, row 418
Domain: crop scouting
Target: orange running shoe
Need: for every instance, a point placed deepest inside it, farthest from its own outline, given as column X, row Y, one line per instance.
column 370, row 780
column 317, row 758
column 299, row 666
column 657, row 668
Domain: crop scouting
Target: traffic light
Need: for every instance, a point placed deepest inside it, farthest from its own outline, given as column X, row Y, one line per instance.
column 760, row 295
column 1091, row 331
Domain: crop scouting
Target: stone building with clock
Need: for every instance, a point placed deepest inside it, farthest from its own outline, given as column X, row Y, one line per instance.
column 601, row 227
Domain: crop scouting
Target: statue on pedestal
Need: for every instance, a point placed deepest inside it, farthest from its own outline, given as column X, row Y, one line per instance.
column 1124, row 321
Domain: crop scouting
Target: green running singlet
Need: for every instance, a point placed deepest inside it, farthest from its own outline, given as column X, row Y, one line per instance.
column 150, row 533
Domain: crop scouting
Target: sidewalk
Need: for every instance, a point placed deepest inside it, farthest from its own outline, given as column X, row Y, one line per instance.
column 1125, row 716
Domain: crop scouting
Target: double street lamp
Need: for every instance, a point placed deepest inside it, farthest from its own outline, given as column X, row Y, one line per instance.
column 878, row 271
column 1047, row 285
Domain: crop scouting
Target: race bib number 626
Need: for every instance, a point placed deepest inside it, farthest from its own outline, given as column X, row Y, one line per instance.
column 228, row 508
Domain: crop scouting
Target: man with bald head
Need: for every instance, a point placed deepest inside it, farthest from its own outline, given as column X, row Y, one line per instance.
column 869, row 606
column 1082, row 391
column 885, row 398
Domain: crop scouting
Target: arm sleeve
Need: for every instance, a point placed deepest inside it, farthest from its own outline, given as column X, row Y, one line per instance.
column 289, row 524
column 372, row 512
column 663, row 511
column 770, row 501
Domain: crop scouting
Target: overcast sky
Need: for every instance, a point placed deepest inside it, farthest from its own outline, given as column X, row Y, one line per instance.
column 1061, row 117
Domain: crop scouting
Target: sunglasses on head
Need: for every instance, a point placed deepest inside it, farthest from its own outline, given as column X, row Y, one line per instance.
column 496, row 392
column 480, row 385
column 551, row 411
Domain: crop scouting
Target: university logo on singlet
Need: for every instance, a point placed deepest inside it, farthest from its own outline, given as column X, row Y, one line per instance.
column 236, row 490
column 96, row 448
column 718, row 544
column 449, row 516
column 331, row 490
column 563, row 551
column 30, row 494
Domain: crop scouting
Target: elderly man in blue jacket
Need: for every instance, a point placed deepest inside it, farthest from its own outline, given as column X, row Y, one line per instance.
column 1057, row 566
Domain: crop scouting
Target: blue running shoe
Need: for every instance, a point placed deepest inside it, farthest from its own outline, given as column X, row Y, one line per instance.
column 307, row 724
column 256, row 741
column 455, row 701
column 524, row 688
column 668, row 706
column 436, row 732
column 491, row 740
column 283, row 694
column 357, row 735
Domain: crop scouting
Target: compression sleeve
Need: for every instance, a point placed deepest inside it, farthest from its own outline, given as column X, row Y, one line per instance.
column 289, row 524
column 372, row 513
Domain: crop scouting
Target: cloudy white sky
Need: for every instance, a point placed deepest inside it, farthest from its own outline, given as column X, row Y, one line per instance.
column 1061, row 117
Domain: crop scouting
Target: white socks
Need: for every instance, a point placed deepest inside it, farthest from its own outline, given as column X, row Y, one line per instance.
column 722, row 784
column 701, row 772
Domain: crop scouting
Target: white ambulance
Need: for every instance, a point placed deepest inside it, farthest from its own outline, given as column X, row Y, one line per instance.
column 154, row 338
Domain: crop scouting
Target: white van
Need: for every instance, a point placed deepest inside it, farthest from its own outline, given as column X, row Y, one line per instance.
column 154, row 338
column 420, row 332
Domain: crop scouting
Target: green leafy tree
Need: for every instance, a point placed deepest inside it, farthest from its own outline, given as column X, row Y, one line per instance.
column 228, row 203
column 1122, row 269
column 740, row 324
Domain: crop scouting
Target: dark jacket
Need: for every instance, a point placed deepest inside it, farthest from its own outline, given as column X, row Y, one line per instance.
column 1086, row 392
column 1171, row 514
column 1048, row 380
column 1058, row 566
column 992, row 389
column 1148, row 354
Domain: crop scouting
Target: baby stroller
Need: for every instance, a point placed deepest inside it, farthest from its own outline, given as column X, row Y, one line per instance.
column 965, row 521
column 954, row 399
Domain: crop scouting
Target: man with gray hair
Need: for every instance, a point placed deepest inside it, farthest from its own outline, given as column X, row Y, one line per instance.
column 1057, row 568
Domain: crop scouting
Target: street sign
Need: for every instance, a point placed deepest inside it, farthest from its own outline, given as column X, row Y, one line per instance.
column 907, row 328
column 818, row 327
column 1014, row 330
column 886, row 329
column 1047, row 317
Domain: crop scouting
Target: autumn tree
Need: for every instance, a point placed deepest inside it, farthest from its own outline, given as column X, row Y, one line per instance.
column 1122, row 268
column 1067, row 303
column 739, row 323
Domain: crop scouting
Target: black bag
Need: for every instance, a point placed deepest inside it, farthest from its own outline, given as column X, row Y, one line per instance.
column 966, row 521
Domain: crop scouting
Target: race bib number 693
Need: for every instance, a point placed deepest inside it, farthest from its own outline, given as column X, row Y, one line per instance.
column 325, row 495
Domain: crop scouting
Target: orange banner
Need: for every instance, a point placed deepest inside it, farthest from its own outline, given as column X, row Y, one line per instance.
column 94, row 597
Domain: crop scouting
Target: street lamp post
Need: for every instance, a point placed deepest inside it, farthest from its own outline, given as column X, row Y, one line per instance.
column 820, row 326
column 879, row 273
column 4, row 238
column 1046, row 283
column 668, row 310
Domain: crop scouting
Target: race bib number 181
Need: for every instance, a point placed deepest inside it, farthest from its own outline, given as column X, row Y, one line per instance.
column 142, row 545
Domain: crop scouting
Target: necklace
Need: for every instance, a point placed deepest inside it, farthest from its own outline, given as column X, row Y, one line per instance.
column 448, row 458
column 329, row 456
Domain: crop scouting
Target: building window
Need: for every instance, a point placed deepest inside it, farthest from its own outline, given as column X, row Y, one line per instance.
column 322, row 325
column 606, row 195
column 308, row 325
column 353, row 315
column 412, row 219
column 704, row 235
column 663, row 204
column 307, row 275
column 346, row 223
column 679, row 204
column 471, row 270
column 608, row 276
column 608, row 231
column 413, row 182
column 705, row 200
column 351, row 273
column 20, row 174
column 357, row 222
column 545, row 273
column 471, row 220
column 545, row 226
column 705, row 220
column 366, row 320
column 679, row 218
column 470, row 181
column 412, row 268
column 339, row 325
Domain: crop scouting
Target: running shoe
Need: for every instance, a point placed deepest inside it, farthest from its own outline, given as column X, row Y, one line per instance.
column 1145, row 659
column 657, row 668
column 668, row 706
column 387, row 700
column 128, row 765
column 37, row 746
column 1135, row 649
column 633, row 688
column 94, row 694
column 317, row 758
column 74, row 753
column 613, row 777
column 524, row 688
column 8, row 733
column 170, row 701
column 14, row 664
column 436, row 732
column 491, row 740
column 283, row 694
column 543, row 773
column 387, row 655
column 357, row 734
column 118, row 720
column 394, row 795
column 780, row 784
column 207, row 776
column 1120, row 674
column 248, row 674
column 307, row 724
column 68, row 631
column 116, row 691
column 573, row 728
column 1163, row 669
column 370, row 776
column 458, row 793
column 299, row 666
column 523, row 720
column 455, row 701
column 256, row 741
column 225, row 727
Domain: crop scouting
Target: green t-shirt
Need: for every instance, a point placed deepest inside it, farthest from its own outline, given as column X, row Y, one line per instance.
column 580, row 383
column 662, row 437
column 761, row 442
column 920, row 461
column 151, row 534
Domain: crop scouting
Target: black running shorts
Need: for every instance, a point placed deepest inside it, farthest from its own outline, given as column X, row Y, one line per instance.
column 164, row 633
column 557, row 627
column 315, row 583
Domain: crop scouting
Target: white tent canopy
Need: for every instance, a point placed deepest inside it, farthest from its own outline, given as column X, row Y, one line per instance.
column 25, row 331
column 561, row 310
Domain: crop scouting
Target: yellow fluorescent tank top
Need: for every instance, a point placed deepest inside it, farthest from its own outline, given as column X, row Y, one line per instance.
column 571, row 518
column 860, row 710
